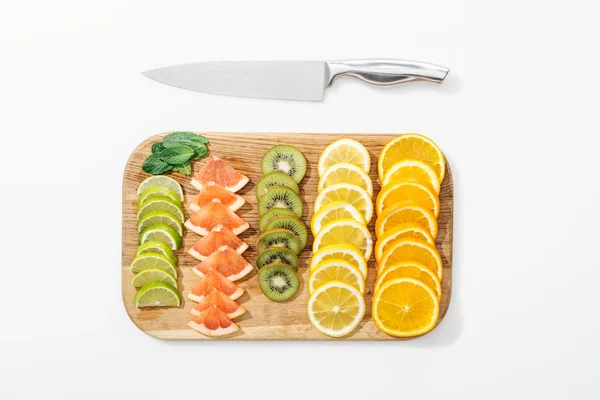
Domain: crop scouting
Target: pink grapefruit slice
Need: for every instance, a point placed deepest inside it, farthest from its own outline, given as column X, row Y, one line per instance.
column 214, row 280
column 213, row 191
column 222, row 302
column 220, row 236
column 227, row 262
column 220, row 172
column 213, row 322
column 213, row 214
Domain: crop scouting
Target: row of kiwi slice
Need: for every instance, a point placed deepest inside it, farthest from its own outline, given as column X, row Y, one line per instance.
column 283, row 234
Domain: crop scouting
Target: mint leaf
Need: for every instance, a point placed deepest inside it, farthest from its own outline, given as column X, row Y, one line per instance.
column 175, row 139
column 185, row 168
column 155, row 166
column 199, row 151
column 157, row 147
column 176, row 155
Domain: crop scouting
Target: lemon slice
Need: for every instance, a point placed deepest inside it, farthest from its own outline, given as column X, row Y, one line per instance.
column 344, row 151
column 405, row 307
column 346, row 173
column 410, row 269
column 346, row 252
column 402, row 214
column 348, row 193
column 333, row 211
column 411, row 146
column 411, row 250
column 336, row 270
column 409, row 230
column 413, row 171
column 336, row 308
column 345, row 231
column 404, row 192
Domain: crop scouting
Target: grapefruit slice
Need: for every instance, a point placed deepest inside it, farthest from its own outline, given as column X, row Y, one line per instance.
column 213, row 322
column 222, row 302
column 214, row 280
column 213, row 191
column 227, row 261
column 220, row 236
column 220, row 172
column 213, row 214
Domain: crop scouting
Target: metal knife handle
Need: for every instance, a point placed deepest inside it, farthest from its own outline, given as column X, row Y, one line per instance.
column 386, row 72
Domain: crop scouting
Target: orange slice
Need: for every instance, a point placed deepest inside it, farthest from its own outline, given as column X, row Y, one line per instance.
column 413, row 171
column 227, row 261
column 410, row 230
column 411, row 250
column 399, row 214
column 219, row 236
column 405, row 307
column 212, row 191
column 404, row 193
column 410, row 269
column 414, row 147
column 212, row 215
column 220, row 172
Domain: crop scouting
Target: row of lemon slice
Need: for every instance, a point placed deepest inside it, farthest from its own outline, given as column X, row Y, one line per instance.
column 342, row 243
column 409, row 268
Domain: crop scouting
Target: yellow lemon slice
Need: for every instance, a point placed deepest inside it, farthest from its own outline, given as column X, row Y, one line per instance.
column 410, row 269
column 411, row 146
column 346, row 252
column 333, row 211
column 348, row 193
column 405, row 307
column 346, row 173
column 336, row 308
column 345, row 151
column 345, row 231
column 404, row 192
column 335, row 270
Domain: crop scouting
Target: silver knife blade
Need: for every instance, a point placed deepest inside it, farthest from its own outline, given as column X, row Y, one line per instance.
column 291, row 80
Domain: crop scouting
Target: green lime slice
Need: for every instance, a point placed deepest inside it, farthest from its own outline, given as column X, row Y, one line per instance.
column 161, row 180
column 154, row 246
column 153, row 275
column 160, row 217
column 161, row 233
column 158, row 191
column 161, row 203
column 157, row 294
column 152, row 261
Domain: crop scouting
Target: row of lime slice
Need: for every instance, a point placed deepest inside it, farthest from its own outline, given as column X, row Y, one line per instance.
column 160, row 225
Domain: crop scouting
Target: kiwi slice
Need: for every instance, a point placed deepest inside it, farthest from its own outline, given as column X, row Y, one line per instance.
column 286, row 159
column 278, row 282
column 275, row 179
column 277, row 255
column 280, row 197
column 278, row 238
column 273, row 213
column 291, row 224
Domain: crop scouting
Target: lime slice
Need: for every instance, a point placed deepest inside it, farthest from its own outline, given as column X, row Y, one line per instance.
column 153, row 275
column 161, row 233
column 160, row 217
column 154, row 246
column 158, row 191
column 160, row 180
column 152, row 261
column 161, row 203
column 157, row 294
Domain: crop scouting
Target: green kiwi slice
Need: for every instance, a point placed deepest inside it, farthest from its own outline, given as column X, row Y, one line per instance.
column 286, row 159
column 292, row 224
column 275, row 179
column 278, row 282
column 280, row 197
column 277, row 255
column 273, row 213
column 278, row 238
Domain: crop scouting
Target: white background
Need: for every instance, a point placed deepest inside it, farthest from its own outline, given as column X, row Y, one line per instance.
column 517, row 118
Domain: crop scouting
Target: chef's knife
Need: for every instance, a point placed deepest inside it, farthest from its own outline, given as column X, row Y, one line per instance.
column 291, row 80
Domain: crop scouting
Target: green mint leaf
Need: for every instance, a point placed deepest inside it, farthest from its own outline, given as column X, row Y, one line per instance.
column 199, row 152
column 175, row 139
column 157, row 147
column 155, row 166
column 176, row 155
column 185, row 168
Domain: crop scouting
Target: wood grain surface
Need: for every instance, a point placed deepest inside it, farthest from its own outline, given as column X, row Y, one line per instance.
column 264, row 319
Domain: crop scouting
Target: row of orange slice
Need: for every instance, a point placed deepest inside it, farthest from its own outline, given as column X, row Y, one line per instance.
column 407, row 291
column 219, row 249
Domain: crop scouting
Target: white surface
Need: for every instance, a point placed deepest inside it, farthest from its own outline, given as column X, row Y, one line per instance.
column 517, row 117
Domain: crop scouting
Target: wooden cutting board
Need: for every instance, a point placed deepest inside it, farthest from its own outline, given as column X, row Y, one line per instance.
column 264, row 319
